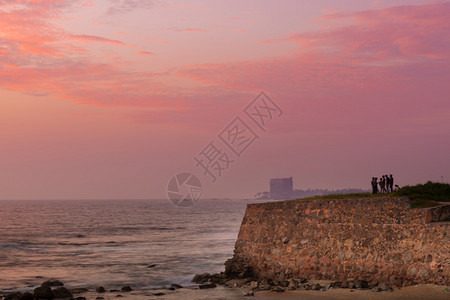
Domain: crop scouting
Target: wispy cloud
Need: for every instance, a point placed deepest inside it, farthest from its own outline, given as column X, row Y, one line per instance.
column 381, row 57
column 145, row 53
column 376, row 65
column 188, row 29
column 92, row 38
column 126, row 6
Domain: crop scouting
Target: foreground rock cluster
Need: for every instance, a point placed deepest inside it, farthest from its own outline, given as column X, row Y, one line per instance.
column 54, row 289
column 51, row 289
column 207, row 280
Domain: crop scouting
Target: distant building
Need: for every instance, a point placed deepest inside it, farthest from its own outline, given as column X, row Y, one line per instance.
column 281, row 188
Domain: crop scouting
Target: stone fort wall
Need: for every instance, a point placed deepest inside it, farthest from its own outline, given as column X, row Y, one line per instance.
column 378, row 240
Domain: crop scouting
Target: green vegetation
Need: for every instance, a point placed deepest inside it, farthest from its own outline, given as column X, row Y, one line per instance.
column 426, row 195
column 423, row 195
column 344, row 196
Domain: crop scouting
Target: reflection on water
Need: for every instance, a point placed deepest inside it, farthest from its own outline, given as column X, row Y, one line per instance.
column 114, row 242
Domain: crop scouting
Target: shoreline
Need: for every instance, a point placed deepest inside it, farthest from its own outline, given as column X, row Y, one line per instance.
column 236, row 290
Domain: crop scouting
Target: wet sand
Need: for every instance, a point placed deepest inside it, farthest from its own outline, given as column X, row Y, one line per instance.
column 218, row 293
column 419, row 292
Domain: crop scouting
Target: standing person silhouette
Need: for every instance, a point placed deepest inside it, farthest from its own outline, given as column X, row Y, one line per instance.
column 374, row 185
column 388, row 184
column 391, row 183
column 381, row 184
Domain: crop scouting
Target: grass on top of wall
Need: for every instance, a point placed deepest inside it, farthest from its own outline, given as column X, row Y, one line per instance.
column 423, row 195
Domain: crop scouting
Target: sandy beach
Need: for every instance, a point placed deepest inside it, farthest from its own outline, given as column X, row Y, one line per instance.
column 419, row 292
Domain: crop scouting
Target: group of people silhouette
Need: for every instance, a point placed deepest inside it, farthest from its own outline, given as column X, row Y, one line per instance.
column 385, row 184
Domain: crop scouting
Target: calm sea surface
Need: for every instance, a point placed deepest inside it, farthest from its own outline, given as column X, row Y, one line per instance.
column 113, row 242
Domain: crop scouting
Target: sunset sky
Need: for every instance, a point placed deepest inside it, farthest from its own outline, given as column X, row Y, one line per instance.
column 111, row 98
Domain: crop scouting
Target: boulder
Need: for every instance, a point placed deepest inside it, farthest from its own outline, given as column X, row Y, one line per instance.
column 43, row 292
column 207, row 286
column 100, row 289
column 62, row 293
column 52, row 283
column 238, row 268
column 254, row 285
column 361, row 284
column 217, row 278
column 201, row 278
column 293, row 284
column 284, row 283
column 377, row 289
column 27, row 296
column 126, row 288
column 336, row 284
column 278, row 289
column 176, row 286
column 14, row 296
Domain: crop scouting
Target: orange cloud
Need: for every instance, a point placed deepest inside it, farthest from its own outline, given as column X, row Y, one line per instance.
column 148, row 53
column 378, row 61
column 92, row 38
column 189, row 29
column 377, row 69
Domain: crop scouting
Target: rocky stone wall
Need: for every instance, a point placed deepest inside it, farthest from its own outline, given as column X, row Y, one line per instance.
column 378, row 240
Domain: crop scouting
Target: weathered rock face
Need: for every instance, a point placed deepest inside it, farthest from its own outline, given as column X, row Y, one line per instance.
column 374, row 239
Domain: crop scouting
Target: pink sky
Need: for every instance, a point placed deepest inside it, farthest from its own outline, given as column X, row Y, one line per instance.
column 111, row 98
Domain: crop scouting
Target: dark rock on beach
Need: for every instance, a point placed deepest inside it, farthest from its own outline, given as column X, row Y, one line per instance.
column 27, row 296
column 18, row 296
column 207, row 286
column 201, row 278
column 126, row 289
column 14, row 296
column 43, row 292
column 278, row 289
column 176, row 286
column 61, row 293
column 218, row 278
column 100, row 289
column 361, row 284
column 52, row 283
column 238, row 268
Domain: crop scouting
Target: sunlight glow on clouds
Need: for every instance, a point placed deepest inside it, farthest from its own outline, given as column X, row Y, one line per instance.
column 348, row 70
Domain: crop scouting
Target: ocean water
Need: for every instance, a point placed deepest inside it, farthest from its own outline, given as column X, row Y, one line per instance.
column 88, row 243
